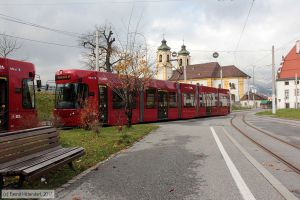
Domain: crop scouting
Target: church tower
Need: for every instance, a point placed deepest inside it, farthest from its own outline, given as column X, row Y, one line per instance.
column 183, row 57
column 163, row 65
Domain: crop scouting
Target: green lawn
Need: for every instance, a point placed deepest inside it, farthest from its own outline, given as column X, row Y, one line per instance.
column 283, row 113
column 236, row 107
column 45, row 105
column 97, row 148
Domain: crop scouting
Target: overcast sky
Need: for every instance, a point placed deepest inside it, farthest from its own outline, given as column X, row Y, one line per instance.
column 205, row 26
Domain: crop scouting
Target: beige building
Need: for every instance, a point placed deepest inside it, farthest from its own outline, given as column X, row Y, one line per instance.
column 207, row 74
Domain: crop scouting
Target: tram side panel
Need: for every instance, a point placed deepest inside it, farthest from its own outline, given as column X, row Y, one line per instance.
column 18, row 109
column 188, row 99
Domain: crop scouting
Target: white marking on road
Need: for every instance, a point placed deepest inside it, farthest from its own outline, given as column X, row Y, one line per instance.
column 276, row 184
column 239, row 181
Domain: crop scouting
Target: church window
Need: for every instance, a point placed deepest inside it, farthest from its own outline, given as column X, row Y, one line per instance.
column 168, row 58
column 187, row 62
column 180, row 62
column 160, row 58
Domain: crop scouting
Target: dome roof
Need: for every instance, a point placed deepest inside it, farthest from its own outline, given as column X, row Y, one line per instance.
column 183, row 51
column 164, row 46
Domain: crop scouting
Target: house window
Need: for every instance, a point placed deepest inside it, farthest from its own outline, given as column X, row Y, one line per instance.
column 286, row 94
column 180, row 62
column 287, row 105
column 160, row 58
column 286, row 83
column 219, row 85
column 297, row 93
column 232, row 86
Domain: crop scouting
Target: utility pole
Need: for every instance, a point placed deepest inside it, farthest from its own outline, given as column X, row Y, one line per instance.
column 221, row 74
column 97, row 50
column 253, row 96
column 296, row 92
column 273, row 81
column 248, row 90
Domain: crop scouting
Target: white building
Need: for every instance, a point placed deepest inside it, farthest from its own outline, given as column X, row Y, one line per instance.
column 287, row 88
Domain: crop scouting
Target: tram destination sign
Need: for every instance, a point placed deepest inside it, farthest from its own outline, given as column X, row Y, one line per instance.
column 63, row 77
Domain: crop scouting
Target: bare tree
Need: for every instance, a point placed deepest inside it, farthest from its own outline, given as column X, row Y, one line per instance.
column 108, row 49
column 134, row 74
column 7, row 45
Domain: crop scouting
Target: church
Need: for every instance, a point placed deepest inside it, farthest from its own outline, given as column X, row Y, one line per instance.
column 207, row 74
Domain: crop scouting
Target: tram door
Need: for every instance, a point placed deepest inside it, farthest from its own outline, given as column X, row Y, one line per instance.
column 3, row 104
column 208, row 104
column 102, row 103
column 162, row 105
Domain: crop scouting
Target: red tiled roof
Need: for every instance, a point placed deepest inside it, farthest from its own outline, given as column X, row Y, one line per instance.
column 253, row 95
column 208, row 70
column 291, row 65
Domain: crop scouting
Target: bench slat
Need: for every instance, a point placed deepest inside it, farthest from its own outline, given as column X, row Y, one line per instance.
column 14, row 143
column 56, row 165
column 30, row 163
column 26, row 134
column 31, row 151
column 25, row 130
column 49, row 162
column 13, row 153
column 25, row 158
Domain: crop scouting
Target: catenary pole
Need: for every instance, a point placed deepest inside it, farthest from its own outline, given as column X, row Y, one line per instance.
column 273, row 82
column 253, row 96
column 97, row 50
column 296, row 90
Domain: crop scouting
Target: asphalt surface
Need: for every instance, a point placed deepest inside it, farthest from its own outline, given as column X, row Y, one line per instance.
column 286, row 129
column 181, row 160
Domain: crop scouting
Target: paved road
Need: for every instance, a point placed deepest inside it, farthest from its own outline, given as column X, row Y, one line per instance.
column 286, row 129
column 182, row 160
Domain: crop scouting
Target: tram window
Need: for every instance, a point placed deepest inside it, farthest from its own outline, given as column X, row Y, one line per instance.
column 71, row 95
column 201, row 100
column 208, row 100
column 172, row 100
column 188, row 100
column 82, row 94
column 117, row 100
column 28, row 95
column 150, row 98
column 212, row 96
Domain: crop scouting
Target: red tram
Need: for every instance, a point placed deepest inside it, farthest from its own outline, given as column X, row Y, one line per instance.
column 162, row 100
column 17, row 95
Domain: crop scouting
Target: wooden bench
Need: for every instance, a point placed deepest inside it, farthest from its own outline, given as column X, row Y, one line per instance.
column 32, row 153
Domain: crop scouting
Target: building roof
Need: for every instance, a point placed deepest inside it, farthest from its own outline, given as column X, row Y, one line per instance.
column 290, row 66
column 208, row 70
column 183, row 51
column 256, row 96
column 164, row 46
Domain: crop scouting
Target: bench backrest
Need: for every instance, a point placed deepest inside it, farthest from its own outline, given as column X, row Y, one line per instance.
column 21, row 143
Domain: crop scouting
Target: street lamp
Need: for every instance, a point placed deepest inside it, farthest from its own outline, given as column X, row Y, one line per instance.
column 216, row 55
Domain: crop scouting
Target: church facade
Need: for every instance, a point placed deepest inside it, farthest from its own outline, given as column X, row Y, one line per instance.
column 207, row 74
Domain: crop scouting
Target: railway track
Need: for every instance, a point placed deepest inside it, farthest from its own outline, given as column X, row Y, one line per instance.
column 264, row 147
